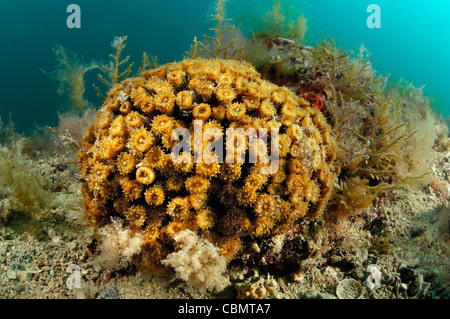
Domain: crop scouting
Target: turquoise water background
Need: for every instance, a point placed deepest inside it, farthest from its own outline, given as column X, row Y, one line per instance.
column 412, row 43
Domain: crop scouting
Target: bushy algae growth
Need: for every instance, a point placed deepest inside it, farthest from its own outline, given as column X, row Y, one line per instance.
column 24, row 188
column 69, row 73
column 380, row 130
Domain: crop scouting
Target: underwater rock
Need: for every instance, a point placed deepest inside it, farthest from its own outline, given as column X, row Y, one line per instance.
column 412, row 262
column 19, row 288
column 16, row 266
column 349, row 289
column 11, row 274
column 285, row 42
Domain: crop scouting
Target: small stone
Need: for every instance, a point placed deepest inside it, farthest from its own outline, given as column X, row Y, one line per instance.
column 349, row 289
column 73, row 245
column 412, row 262
column 29, row 276
column 310, row 294
column 425, row 287
column 16, row 266
column 11, row 274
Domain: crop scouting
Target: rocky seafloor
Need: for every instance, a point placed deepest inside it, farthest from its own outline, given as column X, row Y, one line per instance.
column 39, row 261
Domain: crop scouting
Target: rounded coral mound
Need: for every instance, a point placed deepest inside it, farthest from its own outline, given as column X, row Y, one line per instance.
column 263, row 161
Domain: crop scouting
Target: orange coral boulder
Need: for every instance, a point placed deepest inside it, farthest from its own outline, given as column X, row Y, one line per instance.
column 210, row 147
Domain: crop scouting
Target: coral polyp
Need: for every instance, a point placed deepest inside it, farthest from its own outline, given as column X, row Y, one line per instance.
column 278, row 169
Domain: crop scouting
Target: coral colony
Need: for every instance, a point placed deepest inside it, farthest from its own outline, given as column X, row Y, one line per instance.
column 255, row 188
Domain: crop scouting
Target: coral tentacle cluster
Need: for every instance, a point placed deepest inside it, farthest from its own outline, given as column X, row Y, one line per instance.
column 130, row 172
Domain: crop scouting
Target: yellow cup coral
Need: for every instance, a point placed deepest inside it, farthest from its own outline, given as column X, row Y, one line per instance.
column 131, row 171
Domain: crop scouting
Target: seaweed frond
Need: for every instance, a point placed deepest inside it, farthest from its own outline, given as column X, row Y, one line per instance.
column 354, row 194
column 351, row 75
column 281, row 23
column 217, row 46
column 70, row 73
column 25, row 189
column 194, row 49
column 7, row 132
column 372, row 141
column 382, row 142
column 148, row 63
column 113, row 71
